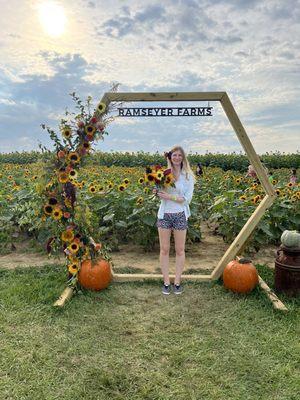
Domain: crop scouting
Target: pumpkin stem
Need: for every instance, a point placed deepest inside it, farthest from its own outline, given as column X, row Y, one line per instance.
column 244, row 261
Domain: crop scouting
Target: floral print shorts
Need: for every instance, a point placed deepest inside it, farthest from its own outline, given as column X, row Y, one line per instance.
column 173, row 221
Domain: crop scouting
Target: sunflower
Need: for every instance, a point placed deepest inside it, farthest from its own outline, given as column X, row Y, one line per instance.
column 48, row 209
column 274, row 181
column 73, row 174
column 121, row 188
column 141, row 180
column 52, row 201
column 67, row 236
column 92, row 189
column 238, row 180
column 57, row 214
column 150, row 177
column 255, row 199
column 289, row 184
column 73, row 247
column 67, row 132
column 169, row 180
column 73, row 268
column 243, row 198
column 140, row 201
column 126, row 181
column 110, row 185
column 73, row 157
column 278, row 192
column 63, row 177
column 86, row 145
column 90, row 129
column 101, row 107
column 159, row 174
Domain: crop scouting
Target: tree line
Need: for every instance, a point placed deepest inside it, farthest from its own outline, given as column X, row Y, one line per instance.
column 232, row 161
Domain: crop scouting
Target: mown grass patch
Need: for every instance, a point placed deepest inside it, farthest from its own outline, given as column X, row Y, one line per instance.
column 130, row 342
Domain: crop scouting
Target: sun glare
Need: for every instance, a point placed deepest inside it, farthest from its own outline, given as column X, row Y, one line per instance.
column 52, row 18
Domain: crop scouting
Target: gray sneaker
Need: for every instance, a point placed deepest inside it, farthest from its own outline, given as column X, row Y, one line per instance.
column 166, row 289
column 178, row 289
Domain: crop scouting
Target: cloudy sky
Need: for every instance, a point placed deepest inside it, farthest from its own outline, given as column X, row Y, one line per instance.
column 250, row 49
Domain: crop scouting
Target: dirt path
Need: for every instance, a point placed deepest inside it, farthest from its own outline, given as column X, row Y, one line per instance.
column 203, row 255
column 199, row 256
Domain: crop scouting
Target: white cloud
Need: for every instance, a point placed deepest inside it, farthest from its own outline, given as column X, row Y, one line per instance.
column 7, row 102
column 124, row 121
column 248, row 48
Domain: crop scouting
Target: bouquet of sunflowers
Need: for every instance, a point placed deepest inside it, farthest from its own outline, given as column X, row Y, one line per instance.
column 160, row 177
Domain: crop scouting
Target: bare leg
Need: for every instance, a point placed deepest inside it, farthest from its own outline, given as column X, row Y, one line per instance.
column 164, row 242
column 179, row 236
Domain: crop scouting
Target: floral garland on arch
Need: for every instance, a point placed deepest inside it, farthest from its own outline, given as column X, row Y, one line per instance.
column 66, row 217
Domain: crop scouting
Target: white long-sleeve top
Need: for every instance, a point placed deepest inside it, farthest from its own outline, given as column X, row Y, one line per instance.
column 183, row 188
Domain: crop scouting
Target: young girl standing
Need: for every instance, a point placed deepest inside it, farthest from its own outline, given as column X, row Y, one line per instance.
column 173, row 215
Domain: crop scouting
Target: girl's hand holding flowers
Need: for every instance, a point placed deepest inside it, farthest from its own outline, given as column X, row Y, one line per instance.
column 163, row 195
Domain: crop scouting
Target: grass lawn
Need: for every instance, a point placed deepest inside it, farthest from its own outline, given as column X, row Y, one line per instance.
column 131, row 342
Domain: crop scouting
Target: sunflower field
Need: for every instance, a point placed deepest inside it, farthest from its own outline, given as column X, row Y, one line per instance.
column 119, row 207
column 84, row 203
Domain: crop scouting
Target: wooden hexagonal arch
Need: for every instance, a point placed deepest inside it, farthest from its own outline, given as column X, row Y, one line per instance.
column 254, row 219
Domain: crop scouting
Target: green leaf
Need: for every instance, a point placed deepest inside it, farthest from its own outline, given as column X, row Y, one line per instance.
column 108, row 217
column 149, row 220
column 104, row 229
column 121, row 224
column 265, row 228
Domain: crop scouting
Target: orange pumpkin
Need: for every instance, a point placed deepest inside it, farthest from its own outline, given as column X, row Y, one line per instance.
column 240, row 276
column 95, row 275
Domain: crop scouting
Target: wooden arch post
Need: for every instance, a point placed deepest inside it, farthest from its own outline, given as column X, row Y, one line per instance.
column 243, row 138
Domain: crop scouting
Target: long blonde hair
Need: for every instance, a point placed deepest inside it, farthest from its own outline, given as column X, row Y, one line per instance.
column 185, row 163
